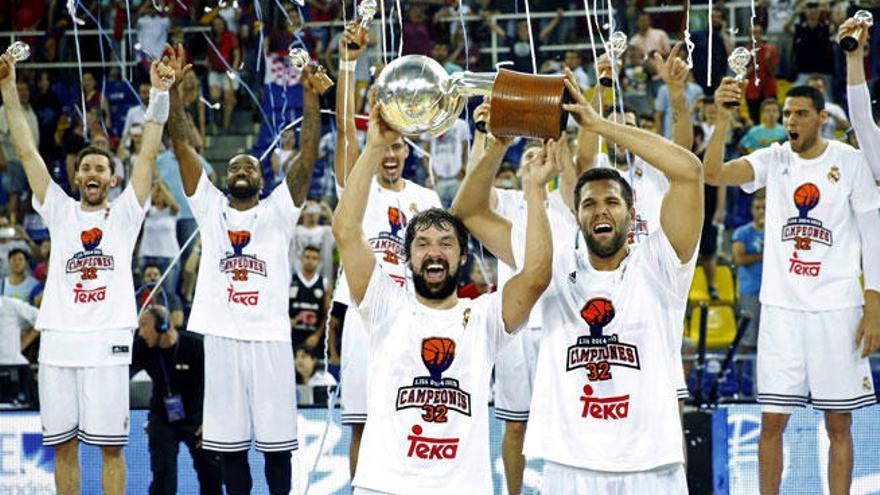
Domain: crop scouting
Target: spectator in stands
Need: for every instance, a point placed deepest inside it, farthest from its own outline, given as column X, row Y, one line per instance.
column 308, row 369
column 812, row 48
column 479, row 284
column 649, row 39
column 767, row 132
column 470, row 60
column 748, row 256
column 14, row 181
column 94, row 99
column 837, row 118
column 175, row 362
column 574, row 62
column 159, row 240
column 310, row 232
column 506, row 177
column 48, row 110
column 17, row 319
column 440, row 53
column 224, row 58
column 309, row 300
column 481, row 32
column 191, row 97
column 152, row 32
column 663, row 105
column 135, row 115
column 151, row 273
column 762, row 82
column 721, row 47
column 11, row 238
column 446, row 160
column 448, row 17
column 19, row 283
column 416, row 34
column 521, row 49
column 713, row 218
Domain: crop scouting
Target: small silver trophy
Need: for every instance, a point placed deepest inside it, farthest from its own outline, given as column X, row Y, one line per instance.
column 366, row 11
column 300, row 58
column 19, row 51
column 617, row 44
column 849, row 40
column 738, row 61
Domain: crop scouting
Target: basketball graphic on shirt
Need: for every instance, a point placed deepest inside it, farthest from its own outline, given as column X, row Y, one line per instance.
column 437, row 354
column 239, row 239
column 598, row 312
column 91, row 238
column 396, row 219
column 806, row 197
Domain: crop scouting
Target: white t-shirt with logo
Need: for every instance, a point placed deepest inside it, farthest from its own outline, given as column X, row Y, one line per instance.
column 244, row 272
column 812, row 247
column 563, row 227
column 428, row 392
column 649, row 186
column 447, row 149
column 88, row 312
column 385, row 219
column 603, row 397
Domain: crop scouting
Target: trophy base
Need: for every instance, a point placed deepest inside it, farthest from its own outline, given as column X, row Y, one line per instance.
column 849, row 44
column 528, row 105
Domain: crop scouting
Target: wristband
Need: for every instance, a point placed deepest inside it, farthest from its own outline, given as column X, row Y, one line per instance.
column 159, row 107
column 347, row 65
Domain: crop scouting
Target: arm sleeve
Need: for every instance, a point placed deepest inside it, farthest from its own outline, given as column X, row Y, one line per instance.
column 862, row 121
column 282, row 203
column 670, row 269
column 864, row 195
column 760, row 161
column 496, row 334
column 25, row 311
column 54, row 199
column 869, row 232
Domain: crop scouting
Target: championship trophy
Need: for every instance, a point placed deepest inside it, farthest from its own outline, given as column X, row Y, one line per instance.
column 738, row 61
column 300, row 59
column 849, row 40
column 366, row 11
column 616, row 45
column 18, row 51
column 418, row 96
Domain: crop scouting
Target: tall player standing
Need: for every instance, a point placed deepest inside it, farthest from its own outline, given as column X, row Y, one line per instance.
column 821, row 216
column 431, row 354
column 393, row 202
column 604, row 414
column 88, row 315
column 241, row 300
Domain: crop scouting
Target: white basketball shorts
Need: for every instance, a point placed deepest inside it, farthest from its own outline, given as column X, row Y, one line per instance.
column 89, row 403
column 250, row 391
column 559, row 478
column 515, row 375
column 812, row 357
column 355, row 365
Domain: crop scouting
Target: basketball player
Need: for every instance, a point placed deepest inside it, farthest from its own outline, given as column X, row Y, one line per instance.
column 88, row 318
column 820, row 201
column 393, row 202
column 604, row 415
column 859, row 98
column 515, row 365
column 431, row 355
column 241, row 300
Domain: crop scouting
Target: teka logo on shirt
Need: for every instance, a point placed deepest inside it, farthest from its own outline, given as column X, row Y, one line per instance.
column 804, row 268
column 391, row 243
column 244, row 298
column 237, row 263
column 804, row 230
column 606, row 408
column 431, row 448
column 435, row 395
column 596, row 352
column 91, row 259
column 81, row 295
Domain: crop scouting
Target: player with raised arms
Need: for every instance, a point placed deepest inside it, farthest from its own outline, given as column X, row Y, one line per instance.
column 604, row 413
column 431, row 353
column 88, row 315
column 241, row 299
column 821, row 218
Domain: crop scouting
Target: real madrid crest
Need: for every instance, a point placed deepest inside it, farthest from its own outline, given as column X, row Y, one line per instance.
column 639, row 172
column 866, row 384
column 413, row 208
column 465, row 317
column 834, row 174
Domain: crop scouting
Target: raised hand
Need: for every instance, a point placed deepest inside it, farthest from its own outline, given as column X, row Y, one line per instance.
column 674, row 71
column 847, row 27
column 161, row 75
column 481, row 115
column 176, row 60
column 729, row 92
column 307, row 80
column 547, row 164
column 379, row 133
column 7, row 70
column 581, row 110
column 352, row 36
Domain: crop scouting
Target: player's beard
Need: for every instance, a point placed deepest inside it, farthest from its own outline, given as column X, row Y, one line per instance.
column 611, row 247
column 440, row 290
column 244, row 192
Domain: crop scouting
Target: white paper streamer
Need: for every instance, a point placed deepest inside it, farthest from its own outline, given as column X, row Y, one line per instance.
column 531, row 40
column 687, row 36
column 754, row 46
column 709, row 61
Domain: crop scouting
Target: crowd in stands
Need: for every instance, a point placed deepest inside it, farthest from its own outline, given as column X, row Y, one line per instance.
column 239, row 48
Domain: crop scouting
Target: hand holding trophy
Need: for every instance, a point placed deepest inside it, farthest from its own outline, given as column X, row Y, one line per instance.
column 738, row 61
column 366, row 11
column 616, row 45
column 17, row 51
column 853, row 31
column 300, row 59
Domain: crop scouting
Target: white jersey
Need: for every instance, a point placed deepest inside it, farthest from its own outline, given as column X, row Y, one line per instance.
column 812, row 248
column 603, row 397
column 649, row 186
column 429, row 373
column 244, row 272
column 385, row 219
column 15, row 316
column 88, row 311
column 563, row 227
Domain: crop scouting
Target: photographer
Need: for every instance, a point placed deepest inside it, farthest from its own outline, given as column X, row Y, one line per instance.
column 175, row 362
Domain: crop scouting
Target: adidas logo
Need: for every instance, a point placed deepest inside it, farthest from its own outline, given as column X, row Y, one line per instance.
column 572, row 277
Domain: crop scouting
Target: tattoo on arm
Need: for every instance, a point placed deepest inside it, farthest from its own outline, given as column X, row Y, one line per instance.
column 299, row 178
column 675, row 116
column 178, row 126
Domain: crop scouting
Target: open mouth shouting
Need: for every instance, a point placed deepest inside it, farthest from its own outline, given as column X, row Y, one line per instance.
column 93, row 186
column 794, row 138
column 435, row 272
column 603, row 228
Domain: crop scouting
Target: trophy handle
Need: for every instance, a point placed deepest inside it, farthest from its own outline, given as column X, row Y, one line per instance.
column 471, row 83
column 361, row 30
